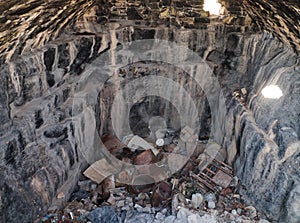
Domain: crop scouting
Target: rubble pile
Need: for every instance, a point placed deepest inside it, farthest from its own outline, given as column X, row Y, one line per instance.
column 204, row 190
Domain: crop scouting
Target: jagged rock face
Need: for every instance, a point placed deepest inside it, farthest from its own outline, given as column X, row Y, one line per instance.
column 24, row 24
column 43, row 134
column 265, row 139
column 280, row 18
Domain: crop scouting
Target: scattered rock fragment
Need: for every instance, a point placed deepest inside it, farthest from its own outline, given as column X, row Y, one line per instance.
column 146, row 201
column 251, row 211
column 234, row 182
column 210, row 197
column 104, row 214
column 194, row 218
column 170, row 219
column 197, row 200
column 263, row 221
column 211, row 205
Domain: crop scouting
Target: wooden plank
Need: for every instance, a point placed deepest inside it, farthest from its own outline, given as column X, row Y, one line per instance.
column 99, row 171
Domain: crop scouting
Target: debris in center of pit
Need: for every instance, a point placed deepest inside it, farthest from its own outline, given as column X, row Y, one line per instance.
column 204, row 190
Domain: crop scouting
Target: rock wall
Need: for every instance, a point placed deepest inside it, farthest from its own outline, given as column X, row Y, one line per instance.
column 264, row 143
column 43, row 21
column 40, row 155
column 280, row 18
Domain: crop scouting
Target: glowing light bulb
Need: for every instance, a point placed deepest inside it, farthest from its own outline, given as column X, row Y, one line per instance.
column 212, row 6
column 272, row 91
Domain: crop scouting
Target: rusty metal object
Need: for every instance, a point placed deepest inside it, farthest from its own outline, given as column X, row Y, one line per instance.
column 145, row 158
column 216, row 174
column 124, row 176
column 226, row 191
column 222, row 166
column 203, row 182
column 161, row 194
column 141, row 184
column 222, row 179
column 109, row 183
column 113, row 144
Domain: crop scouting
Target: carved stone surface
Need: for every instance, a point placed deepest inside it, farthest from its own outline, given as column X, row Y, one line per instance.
column 39, row 154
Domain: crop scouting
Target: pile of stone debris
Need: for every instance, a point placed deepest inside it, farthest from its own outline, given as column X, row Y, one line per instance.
column 187, row 203
column 203, row 190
